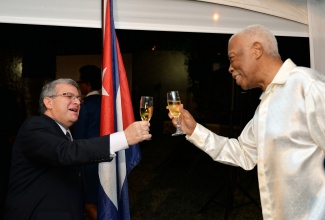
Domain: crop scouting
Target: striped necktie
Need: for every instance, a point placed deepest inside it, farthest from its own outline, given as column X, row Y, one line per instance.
column 68, row 135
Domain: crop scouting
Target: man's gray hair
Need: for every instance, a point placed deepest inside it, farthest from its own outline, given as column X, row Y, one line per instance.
column 259, row 33
column 49, row 90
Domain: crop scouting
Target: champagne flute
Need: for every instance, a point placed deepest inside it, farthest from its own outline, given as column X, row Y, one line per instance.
column 146, row 108
column 174, row 102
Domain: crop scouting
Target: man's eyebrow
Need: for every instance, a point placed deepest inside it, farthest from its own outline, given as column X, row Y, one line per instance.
column 68, row 93
column 231, row 54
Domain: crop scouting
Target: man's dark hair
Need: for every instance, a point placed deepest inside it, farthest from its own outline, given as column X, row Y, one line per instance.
column 91, row 74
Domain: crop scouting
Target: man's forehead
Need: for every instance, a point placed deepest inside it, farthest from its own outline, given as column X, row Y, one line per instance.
column 237, row 43
column 232, row 47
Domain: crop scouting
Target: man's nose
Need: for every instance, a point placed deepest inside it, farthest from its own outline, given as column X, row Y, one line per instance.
column 230, row 69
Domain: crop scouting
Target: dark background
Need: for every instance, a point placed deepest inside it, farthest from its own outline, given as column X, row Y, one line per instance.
column 174, row 180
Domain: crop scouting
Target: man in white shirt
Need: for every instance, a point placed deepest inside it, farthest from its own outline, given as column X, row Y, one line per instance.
column 286, row 136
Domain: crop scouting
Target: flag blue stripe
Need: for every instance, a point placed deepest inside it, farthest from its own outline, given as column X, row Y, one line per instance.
column 124, row 211
column 106, row 209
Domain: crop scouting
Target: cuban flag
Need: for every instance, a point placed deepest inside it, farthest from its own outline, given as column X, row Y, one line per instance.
column 116, row 115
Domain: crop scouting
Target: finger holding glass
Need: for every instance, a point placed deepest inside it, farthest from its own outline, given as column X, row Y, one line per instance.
column 174, row 102
column 146, row 108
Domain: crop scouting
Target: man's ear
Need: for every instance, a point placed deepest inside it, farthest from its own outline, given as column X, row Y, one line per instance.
column 258, row 49
column 48, row 102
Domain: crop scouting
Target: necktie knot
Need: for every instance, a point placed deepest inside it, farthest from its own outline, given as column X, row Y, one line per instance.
column 68, row 135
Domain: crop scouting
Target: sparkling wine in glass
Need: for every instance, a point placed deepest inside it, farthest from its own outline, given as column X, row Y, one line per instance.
column 146, row 108
column 174, row 102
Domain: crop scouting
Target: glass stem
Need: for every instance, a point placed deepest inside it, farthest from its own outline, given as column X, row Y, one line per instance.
column 178, row 126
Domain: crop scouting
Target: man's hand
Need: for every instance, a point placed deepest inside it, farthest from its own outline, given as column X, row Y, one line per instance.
column 187, row 121
column 137, row 132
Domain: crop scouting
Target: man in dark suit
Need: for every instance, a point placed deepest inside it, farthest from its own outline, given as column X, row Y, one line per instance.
column 88, row 126
column 45, row 176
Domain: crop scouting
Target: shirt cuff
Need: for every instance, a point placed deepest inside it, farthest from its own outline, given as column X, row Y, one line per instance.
column 198, row 136
column 191, row 137
column 118, row 142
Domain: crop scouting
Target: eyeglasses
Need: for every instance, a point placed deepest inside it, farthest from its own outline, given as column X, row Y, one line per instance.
column 69, row 95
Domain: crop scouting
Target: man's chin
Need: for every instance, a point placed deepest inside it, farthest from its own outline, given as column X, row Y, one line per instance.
column 243, row 86
column 238, row 82
column 74, row 119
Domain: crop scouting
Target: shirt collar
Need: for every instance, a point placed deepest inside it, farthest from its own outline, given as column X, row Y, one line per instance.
column 62, row 128
column 283, row 73
column 281, row 76
column 95, row 92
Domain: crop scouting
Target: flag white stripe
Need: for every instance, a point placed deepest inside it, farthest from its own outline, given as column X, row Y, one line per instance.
column 107, row 171
column 121, row 154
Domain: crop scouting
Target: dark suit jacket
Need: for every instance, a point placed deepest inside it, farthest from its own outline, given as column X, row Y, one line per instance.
column 88, row 126
column 45, row 179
